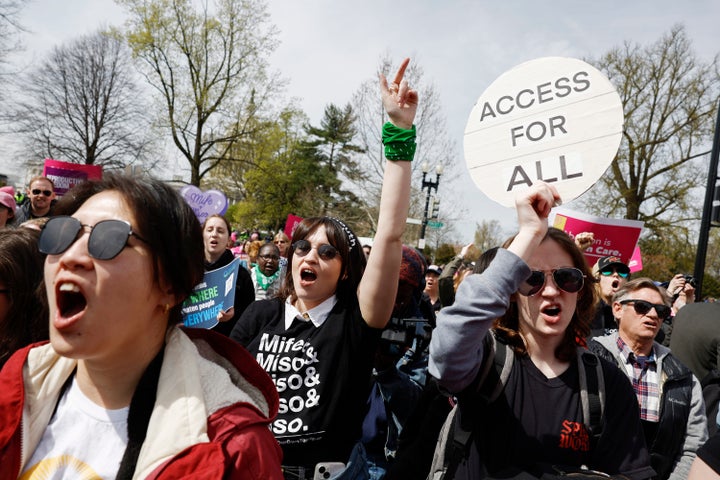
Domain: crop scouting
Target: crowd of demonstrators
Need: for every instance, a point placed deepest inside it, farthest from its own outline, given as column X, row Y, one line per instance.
column 533, row 297
column 121, row 391
column 40, row 201
column 267, row 274
column 216, row 232
column 670, row 398
column 327, row 322
column 342, row 367
column 23, row 303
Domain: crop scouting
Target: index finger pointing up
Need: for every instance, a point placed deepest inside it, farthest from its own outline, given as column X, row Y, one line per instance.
column 401, row 71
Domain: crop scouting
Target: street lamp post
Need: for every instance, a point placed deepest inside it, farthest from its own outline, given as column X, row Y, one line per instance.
column 429, row 186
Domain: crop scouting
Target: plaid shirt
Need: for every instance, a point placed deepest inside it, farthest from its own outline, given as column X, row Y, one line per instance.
column 643, row 373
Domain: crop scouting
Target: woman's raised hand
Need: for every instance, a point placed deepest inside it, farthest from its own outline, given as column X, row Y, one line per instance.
column 533, row 208
column 399, row 100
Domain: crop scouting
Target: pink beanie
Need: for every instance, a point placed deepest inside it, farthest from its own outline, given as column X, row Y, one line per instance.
column 7, row 198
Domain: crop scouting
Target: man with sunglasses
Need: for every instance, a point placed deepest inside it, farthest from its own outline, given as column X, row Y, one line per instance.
column 670, row 397
column 39, row 203
column 611, row 274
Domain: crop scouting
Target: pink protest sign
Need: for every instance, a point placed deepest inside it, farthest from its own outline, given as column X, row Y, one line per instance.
column 290, row 224
column 616, row 237
column 66, row 175
column 635, row 263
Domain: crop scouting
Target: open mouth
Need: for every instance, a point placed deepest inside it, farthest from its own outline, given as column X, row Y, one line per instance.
column 70, row 301
column 552, row 311
column 308, row 275
column 615, row 284
column 650, row 324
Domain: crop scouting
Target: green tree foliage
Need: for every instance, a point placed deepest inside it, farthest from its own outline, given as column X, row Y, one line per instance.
column 331, row 147
column 669, row 99
column 207, row 64
column 276, row 177
column 82, row 105
column 444, row 253
column 488, row 234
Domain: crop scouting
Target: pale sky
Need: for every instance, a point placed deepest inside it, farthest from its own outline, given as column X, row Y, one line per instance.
column 329, row 47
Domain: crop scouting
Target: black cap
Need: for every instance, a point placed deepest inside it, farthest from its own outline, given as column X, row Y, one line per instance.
column 612, row 261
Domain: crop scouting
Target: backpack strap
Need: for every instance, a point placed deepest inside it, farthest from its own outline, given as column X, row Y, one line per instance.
column 592, row 394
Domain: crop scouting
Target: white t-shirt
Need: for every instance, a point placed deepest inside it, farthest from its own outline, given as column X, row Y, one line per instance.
column 82, row 441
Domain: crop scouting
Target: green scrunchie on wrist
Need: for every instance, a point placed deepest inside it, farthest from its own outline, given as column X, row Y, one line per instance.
column 399, row 142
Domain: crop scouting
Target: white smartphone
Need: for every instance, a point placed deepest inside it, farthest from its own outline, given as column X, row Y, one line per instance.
column 325, row 470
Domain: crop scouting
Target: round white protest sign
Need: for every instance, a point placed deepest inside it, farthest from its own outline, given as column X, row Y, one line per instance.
column 553, row 119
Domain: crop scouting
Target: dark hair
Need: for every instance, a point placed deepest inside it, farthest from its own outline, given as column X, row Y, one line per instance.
column 217, row 215
column 270, row 246
column 484, row 260
column 163, row 219
column 21, row 271
column 340, row 237
column 579, row 328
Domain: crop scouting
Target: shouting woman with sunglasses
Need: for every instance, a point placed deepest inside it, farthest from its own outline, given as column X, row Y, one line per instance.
column 535, row 298
column 318, row 339
column 120, row 391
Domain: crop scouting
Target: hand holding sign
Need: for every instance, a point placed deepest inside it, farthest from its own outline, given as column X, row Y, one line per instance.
column 557, row 120
column 533, row 207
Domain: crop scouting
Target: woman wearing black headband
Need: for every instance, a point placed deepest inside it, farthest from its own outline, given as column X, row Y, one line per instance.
column 317, row 340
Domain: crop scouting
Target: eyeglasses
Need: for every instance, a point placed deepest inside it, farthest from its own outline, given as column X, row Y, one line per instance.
column 642, row 307
column 107, row 237
column 37, row 191
column 609, row 271
column 274, row 258
column 279, row 241
column 325, row 251
column 567, row 279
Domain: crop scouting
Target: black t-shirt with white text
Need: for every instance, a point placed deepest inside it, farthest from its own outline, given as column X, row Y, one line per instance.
column 322, row 375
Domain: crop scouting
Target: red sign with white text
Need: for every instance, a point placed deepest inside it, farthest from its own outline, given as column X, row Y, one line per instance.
column 617, row 237
column 290, row 224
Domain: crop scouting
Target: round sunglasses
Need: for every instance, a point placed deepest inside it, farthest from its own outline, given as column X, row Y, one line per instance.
column 642, row 307
column 567, row 279
column 107, row 237
column 324, row 251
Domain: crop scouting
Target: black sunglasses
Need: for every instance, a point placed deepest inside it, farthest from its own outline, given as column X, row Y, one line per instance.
column 107, row 237
column 567, row 279
column 642, row 307
column 325, row 251
column 37, row 191
column 609, row 271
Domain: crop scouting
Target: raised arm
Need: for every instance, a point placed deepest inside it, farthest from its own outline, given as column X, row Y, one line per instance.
column 378, row 286
column 456, row 347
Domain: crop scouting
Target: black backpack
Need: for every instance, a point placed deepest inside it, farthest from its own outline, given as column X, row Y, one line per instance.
column 454, row 443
